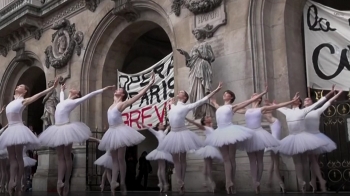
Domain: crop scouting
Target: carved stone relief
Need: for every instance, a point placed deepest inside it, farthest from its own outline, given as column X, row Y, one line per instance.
column 92, row 4
column 195, row 6
column 65, row 42
column 21, row 56
column 124, row 9
column 50, row 102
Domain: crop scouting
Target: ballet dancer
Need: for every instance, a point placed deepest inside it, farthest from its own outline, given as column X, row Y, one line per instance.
column 119, row 136
column 64, row 133
column 312, row 121
column 106, row 162
column 160, row 156
column 28, row 163
column 181, row 140
column 260, row 140
column 227, row 135
column 4, row 174
column 18, row 135
column 275, row 127
column 208, row 152
column 299, row 142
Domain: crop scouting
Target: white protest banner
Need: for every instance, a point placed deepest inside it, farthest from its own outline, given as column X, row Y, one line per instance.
column 151, row 108
column 327, row 40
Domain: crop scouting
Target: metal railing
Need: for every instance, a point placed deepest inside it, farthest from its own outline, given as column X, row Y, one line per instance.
column 4, row 3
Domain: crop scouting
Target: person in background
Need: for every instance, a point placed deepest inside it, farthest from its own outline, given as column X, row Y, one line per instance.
column 145, row 168
column 131, row 164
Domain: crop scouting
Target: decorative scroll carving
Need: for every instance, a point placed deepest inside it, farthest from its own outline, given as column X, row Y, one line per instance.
column 65, row 41
column 33, row 26
column 195, row 6
column 92, row 4
column 124, row 9
column 21, row 56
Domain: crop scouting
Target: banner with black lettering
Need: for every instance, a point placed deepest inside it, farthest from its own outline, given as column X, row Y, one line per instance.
column 152, row 107
column 327, row 40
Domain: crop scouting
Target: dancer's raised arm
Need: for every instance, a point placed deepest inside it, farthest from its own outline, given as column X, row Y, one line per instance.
column 280, row 105
column 154, row 132
column 201, row 127
column 94, row 139
column 35, row 97
column 92, row 94
column 132, row 100
column 328, row 103
column 63, row 87
column 214, row 103
column 243, row 104
column 2, row 109
column 204, row 99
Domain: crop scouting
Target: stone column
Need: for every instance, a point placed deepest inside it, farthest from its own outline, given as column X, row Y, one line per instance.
column 45, row 178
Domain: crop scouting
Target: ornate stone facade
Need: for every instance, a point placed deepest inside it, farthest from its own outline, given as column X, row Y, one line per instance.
column 243, row 34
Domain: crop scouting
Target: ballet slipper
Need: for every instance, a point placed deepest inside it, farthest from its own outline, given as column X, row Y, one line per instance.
column 11, row 188
column 160, row 187
column 182, row 188
column 60, row 186
column 303, row 187
column 102, row 187
column 166, row 188
column 229, row 188
column 313, row 187
column 123, row 189
column 282, row 187
column 114, row 185
column 257, row 188
column 66, row 190
column 212, row 186
column 233, row 189
column 323, row 186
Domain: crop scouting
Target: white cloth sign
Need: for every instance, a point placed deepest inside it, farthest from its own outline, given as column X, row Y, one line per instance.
column 327, row 36
column 152, row 107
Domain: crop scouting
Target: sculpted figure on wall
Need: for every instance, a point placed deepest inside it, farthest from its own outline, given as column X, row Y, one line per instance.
column 199, row 61
column 50, row 102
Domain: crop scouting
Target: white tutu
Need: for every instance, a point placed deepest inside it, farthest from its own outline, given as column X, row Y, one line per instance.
column 260, row 140
column 120, row 136
column 180, row 141
column 17, row 134
column 29, row 162
column 57, row 135
column 159, row 155
column 3, row 154
column 105, row 160
column 209, row 152
column 300, row 143
column 327, row 148
column 229, row 135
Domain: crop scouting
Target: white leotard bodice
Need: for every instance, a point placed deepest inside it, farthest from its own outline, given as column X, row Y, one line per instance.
column 160, row 134
column 253, row 118
column 114, row 116
column 64, row 108
column 178, row 113
column 14, row 111
column 296, row 117
column 312, row 119
column 224, row 116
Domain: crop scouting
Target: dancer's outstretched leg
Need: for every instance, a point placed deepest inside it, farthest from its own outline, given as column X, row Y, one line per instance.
column 208, row 173
column 260, row 166
column 103, row 179
column 316, row 172
column 232, row 155
column 162, row 174
column 122, row 169
column 109, row 175
column 276, row 161
column 183, row 162
column 271, row 170
column 115, row 170
column 13, row 169
column 69, row 167
column 19, row 158
column 61, row 169
column 228, row 167
column 253, row 169
column 299, row 171
column 177, row 166
column 159, row 175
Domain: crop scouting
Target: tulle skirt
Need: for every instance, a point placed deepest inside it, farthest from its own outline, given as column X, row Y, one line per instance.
column 120, row 136
column 29, row 162
column 300, row 143
column 105, row 160
column 57, row 135
column 180, row 141
column 3, row 154
column 18, row 134
column 229, row 135
column 327, row 148
column 159, row 155
column 209, row 152
column 260, row 140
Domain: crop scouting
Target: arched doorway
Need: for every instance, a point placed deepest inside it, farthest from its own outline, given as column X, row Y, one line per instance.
column 130, row 48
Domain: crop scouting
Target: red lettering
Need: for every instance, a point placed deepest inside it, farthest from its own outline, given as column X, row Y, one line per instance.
column 135, row 119
column 160, row 116
column 126, row 115
column 143, row 116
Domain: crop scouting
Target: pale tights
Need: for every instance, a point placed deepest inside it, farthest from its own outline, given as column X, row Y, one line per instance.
column 3, row 173
column 15, row 154
column 208, row 170
column 180, row 165
column 256, row 166
column 229, row 155
column 65, row 165
column 275, row 168
column 161, row 173
column 119, row 166
column 299, row 161
column 316, row 172
column 106, row 174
